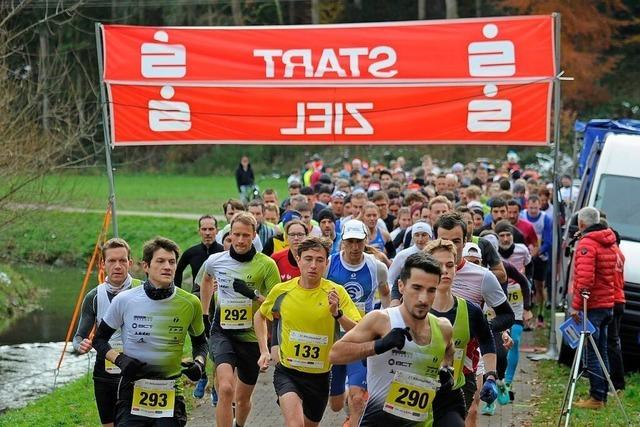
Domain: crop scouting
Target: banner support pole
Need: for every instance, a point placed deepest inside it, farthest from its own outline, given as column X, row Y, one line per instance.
column 552, row 350
column 105, row 128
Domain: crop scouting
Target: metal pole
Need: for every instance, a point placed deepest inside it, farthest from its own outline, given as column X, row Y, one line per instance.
column 105, row 128
column 552, row 351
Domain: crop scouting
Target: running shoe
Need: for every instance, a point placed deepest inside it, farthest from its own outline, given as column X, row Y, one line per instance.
column 198, row 392
column 489, row 409
column 503, row 392
column 214, row 397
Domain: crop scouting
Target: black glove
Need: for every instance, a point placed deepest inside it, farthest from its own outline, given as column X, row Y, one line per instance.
column 393, row 339
column 207, row 325
column 193, row 370
column 129, row 367
column 240, row 286
column 446, row 378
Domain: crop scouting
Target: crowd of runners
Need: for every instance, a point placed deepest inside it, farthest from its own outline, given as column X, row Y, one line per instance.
column 396, row 295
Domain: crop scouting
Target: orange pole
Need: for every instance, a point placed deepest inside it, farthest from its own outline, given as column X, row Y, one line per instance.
column 85, row 282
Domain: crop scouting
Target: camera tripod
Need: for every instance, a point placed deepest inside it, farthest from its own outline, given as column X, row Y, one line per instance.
column 581, row 356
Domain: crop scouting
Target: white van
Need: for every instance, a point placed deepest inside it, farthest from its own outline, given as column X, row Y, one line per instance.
column 616, row 191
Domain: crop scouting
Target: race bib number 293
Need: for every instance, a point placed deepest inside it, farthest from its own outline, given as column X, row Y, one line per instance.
column 153, row 398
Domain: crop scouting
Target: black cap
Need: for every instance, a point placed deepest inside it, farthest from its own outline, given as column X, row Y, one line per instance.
column 326, row 214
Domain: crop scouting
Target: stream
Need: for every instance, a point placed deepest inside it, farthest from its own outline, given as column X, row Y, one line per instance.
column 31, row 346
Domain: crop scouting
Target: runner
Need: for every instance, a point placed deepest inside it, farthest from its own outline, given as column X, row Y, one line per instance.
column 478, row 285
column 468, row 321
column 242, row 276
column 308, row 309
column 154, row 319
column 360, row 274
column 116, row 261
column 378, row 237
column 194, row 257
column 296, row 231
column 409, row 355
column 518, row 255
column 421, row 234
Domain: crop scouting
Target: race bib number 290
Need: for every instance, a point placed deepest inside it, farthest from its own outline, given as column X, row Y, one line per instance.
column 410, row 396
column 153, row 398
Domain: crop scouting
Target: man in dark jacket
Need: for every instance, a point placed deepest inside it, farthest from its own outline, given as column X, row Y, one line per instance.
column 244, row 179
column 595, row 261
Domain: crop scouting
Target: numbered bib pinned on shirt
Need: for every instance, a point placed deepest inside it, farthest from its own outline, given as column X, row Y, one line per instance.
column 236, row 313
column 309, row 350
column 410, row 396
column 515, row 297
column 458, row 363
column 153, row 398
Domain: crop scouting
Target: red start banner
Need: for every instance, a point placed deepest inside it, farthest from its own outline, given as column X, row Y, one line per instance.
column 469, row 81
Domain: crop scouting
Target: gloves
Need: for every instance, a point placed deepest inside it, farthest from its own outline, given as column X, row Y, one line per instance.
column 240, row 286
column 129, row 367
column 446, row 378
column 393, row 339
column 207, row 325
column 193, row 370
column 489, row 391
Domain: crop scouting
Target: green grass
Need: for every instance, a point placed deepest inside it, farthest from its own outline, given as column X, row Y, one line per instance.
column 553, row 379
column 69, row 238
column 143, row 192
column 70, row 405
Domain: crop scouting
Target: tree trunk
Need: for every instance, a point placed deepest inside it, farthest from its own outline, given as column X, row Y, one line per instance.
column 452, row 8
column 422, row 9
column 236, row 10
column 315, row 11
column 42, row 76
column 478, row 8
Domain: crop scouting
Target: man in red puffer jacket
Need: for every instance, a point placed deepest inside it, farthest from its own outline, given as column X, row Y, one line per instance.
column 595, row 260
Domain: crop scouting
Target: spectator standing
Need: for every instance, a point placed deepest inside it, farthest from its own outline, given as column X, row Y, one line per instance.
column 595, row 261
column 244, row 178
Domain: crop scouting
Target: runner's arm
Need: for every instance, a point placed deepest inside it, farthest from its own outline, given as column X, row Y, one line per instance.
column 198, row 335
column 447, row 334
column 207, row 288
column 260, row 327
column 479, row 329
column 182, row 265
column 383, row 285
column 388, row 245
column 504, row 317
column 85, row 324
column 491, row 259
column 358, row 343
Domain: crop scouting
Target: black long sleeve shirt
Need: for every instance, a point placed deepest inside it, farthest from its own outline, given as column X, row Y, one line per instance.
column 194, row 257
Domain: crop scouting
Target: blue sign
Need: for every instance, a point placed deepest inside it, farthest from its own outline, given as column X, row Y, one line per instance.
column 571, row 331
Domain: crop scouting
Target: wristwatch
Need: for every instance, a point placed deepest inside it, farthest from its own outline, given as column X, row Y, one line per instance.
column 339, row 315
column 256, row 293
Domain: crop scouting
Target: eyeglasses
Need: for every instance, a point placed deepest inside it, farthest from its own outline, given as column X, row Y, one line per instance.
column 296, row 235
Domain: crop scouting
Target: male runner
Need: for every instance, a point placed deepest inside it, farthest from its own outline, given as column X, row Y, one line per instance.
column 116, row 261
column 242, row 276
column 409, row 355
column 421, row 233
column 194, row 257
column 154, row 319
column 309, row 310
column 467, row 319
column 360, row 274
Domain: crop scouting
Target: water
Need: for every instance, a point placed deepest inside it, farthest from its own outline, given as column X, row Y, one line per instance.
column 31, row 346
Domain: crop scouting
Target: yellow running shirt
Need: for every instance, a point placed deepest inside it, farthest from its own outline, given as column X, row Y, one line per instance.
column 306, row 330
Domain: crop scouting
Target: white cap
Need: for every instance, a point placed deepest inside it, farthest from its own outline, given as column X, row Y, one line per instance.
column 421, row 227
column 354, row 229
column 471, row 249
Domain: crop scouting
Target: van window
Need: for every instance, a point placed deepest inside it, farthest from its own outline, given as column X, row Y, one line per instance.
column 619, row 197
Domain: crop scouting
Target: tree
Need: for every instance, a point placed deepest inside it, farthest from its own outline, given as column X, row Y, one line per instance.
column 40, row 123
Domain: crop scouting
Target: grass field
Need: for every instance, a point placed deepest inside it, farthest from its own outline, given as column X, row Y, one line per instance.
column 69, row 238
column 553, row 379
column 145, row 192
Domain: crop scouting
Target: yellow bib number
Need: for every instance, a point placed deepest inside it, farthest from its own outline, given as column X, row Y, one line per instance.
column 236, row 313
column 153, row 398
column 515, row 296
column 410, row 396
column 307, row 350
